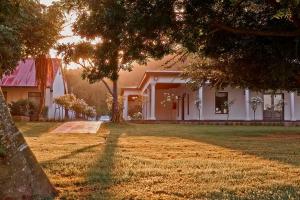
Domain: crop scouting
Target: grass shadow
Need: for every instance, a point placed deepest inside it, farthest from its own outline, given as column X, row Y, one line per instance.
column 70, row 155
column 36, row 129
column 100, row 176
column 251, row 140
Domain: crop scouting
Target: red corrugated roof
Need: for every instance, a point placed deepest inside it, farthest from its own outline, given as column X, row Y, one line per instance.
column 24, row 74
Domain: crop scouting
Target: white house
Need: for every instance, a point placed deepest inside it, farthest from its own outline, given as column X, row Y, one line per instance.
column 167, row 97
column 21, row 84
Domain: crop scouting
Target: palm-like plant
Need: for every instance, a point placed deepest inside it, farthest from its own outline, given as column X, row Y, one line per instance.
column 254, row 103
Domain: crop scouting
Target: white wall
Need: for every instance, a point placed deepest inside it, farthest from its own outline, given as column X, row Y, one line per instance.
column 58, row 90
column 237, row 112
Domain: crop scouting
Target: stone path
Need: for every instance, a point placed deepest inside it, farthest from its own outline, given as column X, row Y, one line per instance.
column 78, row 127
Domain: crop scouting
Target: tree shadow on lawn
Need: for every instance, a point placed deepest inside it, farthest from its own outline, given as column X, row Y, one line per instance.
column 70, row 155
column 100, row 176
column 273, row 143
column 36, row 129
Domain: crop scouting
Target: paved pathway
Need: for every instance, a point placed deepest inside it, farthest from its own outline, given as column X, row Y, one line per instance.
column 78, row 127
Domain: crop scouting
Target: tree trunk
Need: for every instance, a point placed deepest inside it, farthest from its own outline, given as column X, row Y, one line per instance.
column 41, row 105
column 115, row 103
column 21, row 177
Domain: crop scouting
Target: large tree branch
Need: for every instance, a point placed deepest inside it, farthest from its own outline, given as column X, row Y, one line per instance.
column 222, row 27
column 102, row 80
column 107, row 87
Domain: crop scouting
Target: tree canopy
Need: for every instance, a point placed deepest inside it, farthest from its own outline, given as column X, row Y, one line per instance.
column 245, row 43
column 253, row 44
column 27, row 28
column 121, row 41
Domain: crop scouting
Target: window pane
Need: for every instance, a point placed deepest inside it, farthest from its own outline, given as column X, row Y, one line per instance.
column 221, row 100
column 278, row 102
column 267, row 102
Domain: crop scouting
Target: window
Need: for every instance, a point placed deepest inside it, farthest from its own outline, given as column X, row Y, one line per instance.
column 221, row 100
column 5, row 95
column 34, row 97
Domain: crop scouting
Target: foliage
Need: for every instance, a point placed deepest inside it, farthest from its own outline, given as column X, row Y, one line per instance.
column 261, row 49
column 27, row 28
column 136, row 107
column 23, row 107
column 137, row 116
column 254, row 103
column 79, row 106
column 93, row 94
column 120, row 43
column 258, row 38
column 90, row 112
column 168, row 98
column 65, row 101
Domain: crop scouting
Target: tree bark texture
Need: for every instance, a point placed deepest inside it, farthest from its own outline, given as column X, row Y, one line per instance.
column 115, row 104
column 21, row 176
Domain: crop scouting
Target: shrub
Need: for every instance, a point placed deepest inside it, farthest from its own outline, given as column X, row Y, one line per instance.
column 23, row 107
column 90, row 112
column 137, row 116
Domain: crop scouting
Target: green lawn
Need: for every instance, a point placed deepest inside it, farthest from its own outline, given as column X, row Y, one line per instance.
column 171, row 161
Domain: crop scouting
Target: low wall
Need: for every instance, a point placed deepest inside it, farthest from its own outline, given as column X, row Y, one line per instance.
column 220, row 122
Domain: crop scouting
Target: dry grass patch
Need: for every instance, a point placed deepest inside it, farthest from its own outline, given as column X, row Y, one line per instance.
column 173, row 162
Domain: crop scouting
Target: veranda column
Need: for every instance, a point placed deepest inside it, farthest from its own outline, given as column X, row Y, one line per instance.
column 292, row 102
column 247, row 104
column 148, row 104
column 152, row 117
column 201, row 103
column 125, row 107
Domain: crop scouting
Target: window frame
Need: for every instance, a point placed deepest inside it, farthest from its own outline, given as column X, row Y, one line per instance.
column 222, row 113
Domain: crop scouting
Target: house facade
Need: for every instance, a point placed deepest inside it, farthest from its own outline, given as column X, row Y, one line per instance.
column 21, row 84
column 166, row 96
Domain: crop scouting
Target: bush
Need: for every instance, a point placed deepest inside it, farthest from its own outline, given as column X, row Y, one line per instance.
column 23, row 107
column 137, row 116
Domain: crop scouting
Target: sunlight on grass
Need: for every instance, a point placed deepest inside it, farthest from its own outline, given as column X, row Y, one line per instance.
column 173, row 162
